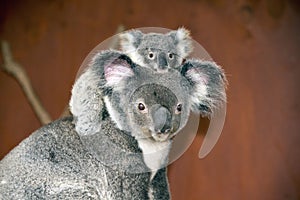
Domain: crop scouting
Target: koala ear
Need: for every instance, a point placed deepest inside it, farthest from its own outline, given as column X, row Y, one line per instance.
column 183, row 41
column 130, row 40
column 105, row 71
column 118, row 70
column 208, row 83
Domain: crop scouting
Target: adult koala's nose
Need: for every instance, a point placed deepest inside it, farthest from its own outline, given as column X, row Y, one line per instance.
column 162, row 119
column 162, row 61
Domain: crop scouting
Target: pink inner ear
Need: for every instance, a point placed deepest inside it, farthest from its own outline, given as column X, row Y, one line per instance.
column 115, row 73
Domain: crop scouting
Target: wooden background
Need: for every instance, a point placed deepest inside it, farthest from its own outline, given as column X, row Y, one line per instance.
column 256, row 41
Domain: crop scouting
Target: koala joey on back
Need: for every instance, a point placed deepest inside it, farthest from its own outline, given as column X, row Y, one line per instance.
column 116, row 143
column 155, row 50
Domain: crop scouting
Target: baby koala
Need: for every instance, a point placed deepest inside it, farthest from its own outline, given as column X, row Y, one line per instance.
column 156, row 50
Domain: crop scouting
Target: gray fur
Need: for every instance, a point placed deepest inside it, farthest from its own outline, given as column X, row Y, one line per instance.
column 168, row 50
column 112, row 147
column 53, row 163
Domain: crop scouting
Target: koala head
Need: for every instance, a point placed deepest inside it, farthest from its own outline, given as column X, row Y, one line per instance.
column 141, row 101
column 157, row 51
column 144, row 103
column 155, row 111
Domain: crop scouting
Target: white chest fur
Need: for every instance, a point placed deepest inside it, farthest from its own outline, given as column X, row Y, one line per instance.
column 155, row 153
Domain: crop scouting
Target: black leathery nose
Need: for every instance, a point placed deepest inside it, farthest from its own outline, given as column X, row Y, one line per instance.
column 162, row 61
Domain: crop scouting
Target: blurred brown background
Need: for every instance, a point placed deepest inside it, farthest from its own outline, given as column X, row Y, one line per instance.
column 256, row 41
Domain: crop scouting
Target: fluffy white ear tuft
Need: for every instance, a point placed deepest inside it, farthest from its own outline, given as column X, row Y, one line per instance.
column 208, row 83
column 183, row 34
column 183, row 41
column 130, row 40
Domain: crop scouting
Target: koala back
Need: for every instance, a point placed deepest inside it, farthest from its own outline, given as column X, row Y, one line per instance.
column 53, row 163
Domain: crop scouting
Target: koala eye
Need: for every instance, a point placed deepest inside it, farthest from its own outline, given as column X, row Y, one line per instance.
column 151, row 55
column 178, row 108
column 141, row 106
column 171, row 56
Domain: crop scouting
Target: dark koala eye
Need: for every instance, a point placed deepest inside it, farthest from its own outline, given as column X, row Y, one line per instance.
column 171, row 56
column 141, row 106
column 179, row 108
column 151, row 55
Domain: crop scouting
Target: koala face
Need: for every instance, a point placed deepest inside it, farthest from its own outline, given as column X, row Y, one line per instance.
column 157, row 51
column 155, row 111
column 149, row 105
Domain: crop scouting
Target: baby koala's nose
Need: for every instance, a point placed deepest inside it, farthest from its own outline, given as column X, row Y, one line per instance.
column 162, row 61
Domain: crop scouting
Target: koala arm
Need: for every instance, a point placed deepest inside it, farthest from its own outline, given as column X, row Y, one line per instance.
column 86, row 103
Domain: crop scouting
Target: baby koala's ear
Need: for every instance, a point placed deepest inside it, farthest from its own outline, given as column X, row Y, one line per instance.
column 130, row 40
column 208, row 84
column 183, row 41
column 106, row 71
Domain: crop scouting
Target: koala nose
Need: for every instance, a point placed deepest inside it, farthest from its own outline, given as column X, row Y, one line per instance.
column 162, row 61
column 162, row 119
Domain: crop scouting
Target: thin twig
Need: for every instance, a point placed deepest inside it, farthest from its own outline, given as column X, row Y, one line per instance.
column 11, row 67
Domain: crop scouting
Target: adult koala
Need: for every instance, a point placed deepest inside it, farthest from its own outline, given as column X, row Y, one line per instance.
column 116, row 144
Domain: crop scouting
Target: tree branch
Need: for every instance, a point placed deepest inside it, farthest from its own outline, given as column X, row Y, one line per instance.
column 11, row 67
column 14, row 69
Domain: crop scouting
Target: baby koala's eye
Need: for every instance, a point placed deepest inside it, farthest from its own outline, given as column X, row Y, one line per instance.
column 151, row 55
column 141, row 106
column 171, row 56
column 178, row 108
